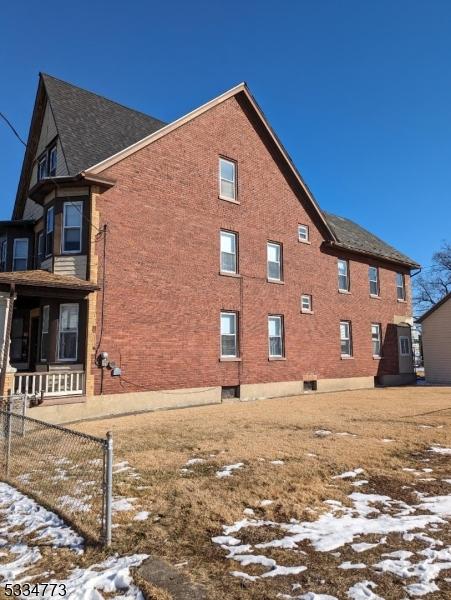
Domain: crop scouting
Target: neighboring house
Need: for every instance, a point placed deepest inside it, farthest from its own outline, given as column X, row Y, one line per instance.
column 151, row 264
column 417, row 345
column 436, row 341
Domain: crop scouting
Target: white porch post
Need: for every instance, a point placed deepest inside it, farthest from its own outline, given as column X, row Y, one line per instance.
column 6, row 305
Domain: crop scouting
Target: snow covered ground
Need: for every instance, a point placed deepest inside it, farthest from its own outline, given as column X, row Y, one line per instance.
column 24, row 524
column 420, row 567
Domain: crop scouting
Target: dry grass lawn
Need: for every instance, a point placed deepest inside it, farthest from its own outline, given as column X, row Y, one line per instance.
column 188, row 508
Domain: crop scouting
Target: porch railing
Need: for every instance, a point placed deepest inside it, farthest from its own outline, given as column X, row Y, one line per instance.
column 67, row 383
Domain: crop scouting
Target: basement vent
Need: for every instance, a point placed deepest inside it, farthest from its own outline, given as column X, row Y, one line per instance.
column 230, row 391
column 310, row 386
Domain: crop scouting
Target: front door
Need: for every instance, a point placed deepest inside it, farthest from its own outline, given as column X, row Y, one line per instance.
column 34, row 339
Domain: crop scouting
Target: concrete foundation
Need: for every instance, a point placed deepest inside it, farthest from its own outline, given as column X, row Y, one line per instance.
column 120, row 404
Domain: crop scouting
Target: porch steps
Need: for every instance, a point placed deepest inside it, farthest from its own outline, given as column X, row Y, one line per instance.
column 63, row 400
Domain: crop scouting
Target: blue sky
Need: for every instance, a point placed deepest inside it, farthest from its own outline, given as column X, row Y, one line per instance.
column 359, row 92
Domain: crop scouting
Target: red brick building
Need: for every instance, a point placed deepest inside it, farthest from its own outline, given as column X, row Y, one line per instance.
column 184, row 263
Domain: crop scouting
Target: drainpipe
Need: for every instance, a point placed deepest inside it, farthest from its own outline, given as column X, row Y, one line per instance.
column 4, row 366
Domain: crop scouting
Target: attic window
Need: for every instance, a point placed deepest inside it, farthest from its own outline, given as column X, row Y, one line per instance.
column 42, row 167
column 52, row 161
column 47, row 163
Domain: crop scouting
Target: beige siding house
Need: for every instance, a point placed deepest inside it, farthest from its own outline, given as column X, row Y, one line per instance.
column 436, row 324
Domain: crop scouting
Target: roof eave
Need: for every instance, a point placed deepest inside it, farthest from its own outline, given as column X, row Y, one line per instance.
column 348, row 248
column 433, row 308
column 47, row 184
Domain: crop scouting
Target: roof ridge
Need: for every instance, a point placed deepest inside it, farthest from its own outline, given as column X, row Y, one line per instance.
column 91, row 93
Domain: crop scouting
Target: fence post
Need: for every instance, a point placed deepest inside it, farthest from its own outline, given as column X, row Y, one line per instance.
column 8, row 437
column 108, row 487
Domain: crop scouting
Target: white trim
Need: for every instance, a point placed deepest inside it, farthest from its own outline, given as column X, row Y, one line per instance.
column 281, row 336
column 277, row 262
column 376, row 281
column 240, row 88
column 69, row 330
column 347, row 288
column 78, row 203
column 306, row 228
column 347, row 338
column 228, row 313
column 307, row 297
column 233, row 235
column 399, row 287
column 379, row 339
column 233, row 181
column 20, row 257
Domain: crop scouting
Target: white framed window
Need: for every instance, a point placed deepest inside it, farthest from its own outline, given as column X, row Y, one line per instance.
column 303, row 233
column 229, row 336
column 228, row 242
column 306, row 303
column 42, row 167
column 275, row 336
column 3, row 254
column 45, row 332
column 345, row 338
column 72, row 221
column 400, row 286
column 20, row 254
column 40, row 244
column 52, row 161
column 343, row 275
column 404, row 345
column 376, row 338
column 227, row 179
column 274, row 261
column 373, row 277
column 68, row 332
column 49, row 227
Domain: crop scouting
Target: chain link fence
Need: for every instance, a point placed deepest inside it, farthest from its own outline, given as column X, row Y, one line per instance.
column 67, row 471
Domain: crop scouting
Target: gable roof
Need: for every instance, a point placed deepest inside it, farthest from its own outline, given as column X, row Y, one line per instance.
column 91, row 127
column 353, row 237
column 434, row 308
column 96, row 133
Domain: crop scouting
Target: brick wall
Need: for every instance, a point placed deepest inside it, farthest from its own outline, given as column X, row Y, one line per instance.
column 164, row 294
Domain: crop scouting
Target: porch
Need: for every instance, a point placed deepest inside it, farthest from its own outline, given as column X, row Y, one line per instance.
column 43, row 329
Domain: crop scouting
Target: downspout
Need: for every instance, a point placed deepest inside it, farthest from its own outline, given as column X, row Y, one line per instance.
column 12, row 298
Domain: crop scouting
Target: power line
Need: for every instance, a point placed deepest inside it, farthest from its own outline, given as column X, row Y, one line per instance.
column 10, row 125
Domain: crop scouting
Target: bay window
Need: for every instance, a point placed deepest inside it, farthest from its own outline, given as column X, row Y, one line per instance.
column 72, row 215
column 20, row 254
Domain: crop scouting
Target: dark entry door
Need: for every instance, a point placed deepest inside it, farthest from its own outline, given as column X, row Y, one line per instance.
column 34, row 339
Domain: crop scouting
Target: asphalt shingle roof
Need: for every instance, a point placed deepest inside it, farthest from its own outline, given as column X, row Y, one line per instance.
column 357, row 238
column 92, row 128
column 41, row 278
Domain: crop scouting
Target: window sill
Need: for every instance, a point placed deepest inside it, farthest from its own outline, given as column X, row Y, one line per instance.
column 229, row 359
column 277, row 281
column 402, row 301
column 225, row 274
column 276, row 358
column 377, row 357
column 307, row 312
column 308, row 242
column 375, row 296
column 346, row 292
column 229, row 200
column 344, row 357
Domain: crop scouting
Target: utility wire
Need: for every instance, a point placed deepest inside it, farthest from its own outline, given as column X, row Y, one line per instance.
column 10, row 125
